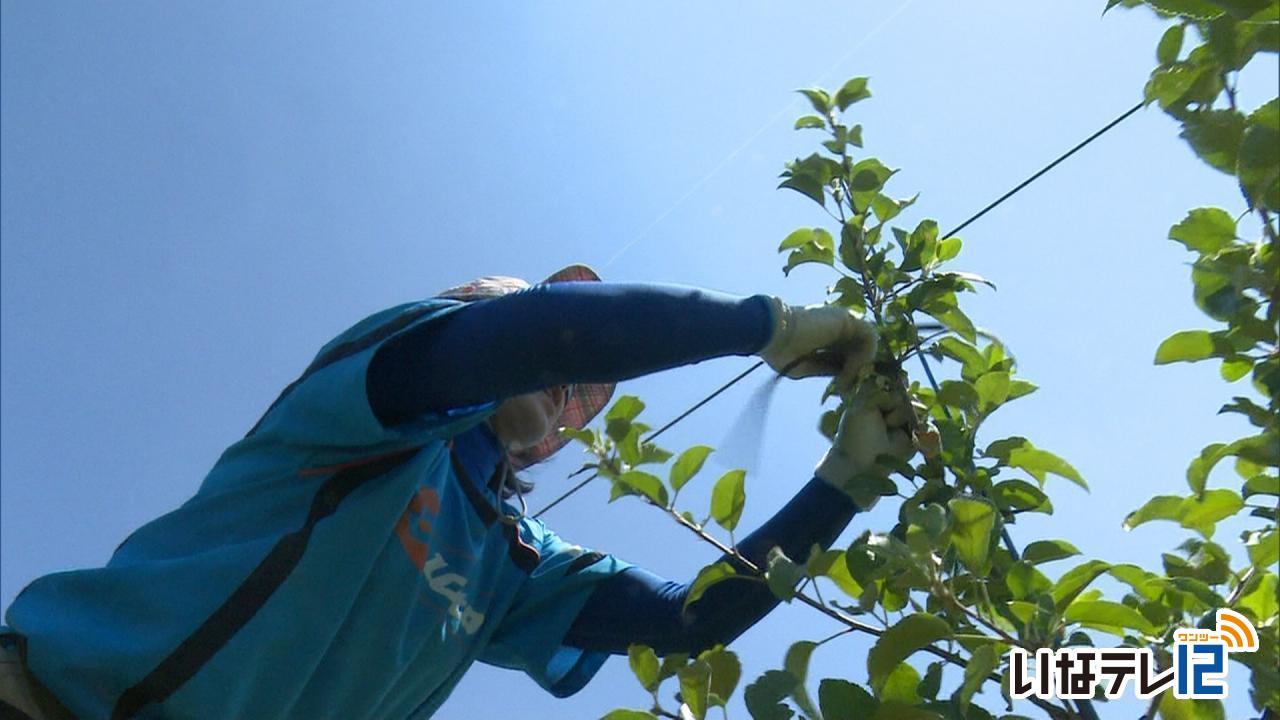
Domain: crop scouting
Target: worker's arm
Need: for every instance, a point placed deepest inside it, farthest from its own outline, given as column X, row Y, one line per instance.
column 586, row 332
column 559, row 333
column 637, row 606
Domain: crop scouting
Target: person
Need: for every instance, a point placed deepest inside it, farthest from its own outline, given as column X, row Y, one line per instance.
column 365, row 542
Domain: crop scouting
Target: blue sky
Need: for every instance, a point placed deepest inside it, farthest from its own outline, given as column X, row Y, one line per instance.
column 196, row 197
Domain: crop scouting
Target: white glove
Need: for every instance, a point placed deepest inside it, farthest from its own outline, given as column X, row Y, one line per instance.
column 798, row 331
column 877, row 422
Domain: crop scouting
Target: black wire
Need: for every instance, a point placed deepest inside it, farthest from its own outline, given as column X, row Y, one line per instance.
column 1046, row 169
column 659, row 431
column 927, row 369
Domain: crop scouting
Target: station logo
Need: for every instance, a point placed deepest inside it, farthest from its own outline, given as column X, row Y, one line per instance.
column 1199, row 666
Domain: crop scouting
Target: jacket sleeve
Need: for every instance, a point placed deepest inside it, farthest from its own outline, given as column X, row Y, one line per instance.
column 558, row 333
column 531, row 634
column 637, row 606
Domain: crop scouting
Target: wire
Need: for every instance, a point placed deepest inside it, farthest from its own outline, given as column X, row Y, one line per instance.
column 650, row 437
column 1046, row 168
column 928, row 371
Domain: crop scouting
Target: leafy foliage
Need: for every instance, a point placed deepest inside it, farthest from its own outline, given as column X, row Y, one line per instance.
column 946, row 580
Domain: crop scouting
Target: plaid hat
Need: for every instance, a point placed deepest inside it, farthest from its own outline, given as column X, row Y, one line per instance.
column 587, row 400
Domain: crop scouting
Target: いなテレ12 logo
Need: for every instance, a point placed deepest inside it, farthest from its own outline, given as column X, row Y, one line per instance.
column 1199, row 668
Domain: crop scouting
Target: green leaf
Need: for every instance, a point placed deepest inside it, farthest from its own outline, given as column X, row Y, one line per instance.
column 851, row 295
column 629, row 714
column 695, row 686
column 710, row 575
column 900, row 686
column 1173, row 708
column 886, row 208
column 1199, row 469
column 1170, row 45
column 808, row 186
column 973, row 520
column 869, row 176
column 728, row 497
column 1043, row 551
column 626, row 408
column 1018, row 452
column 808, row 254
column 810, row 121
column 958, row 394
column 921, row 246
column 932, row 681
column 1075, row 580
column 808, row 245
column 831, row 565
column 851, row 92
column 617, row 429
column 1202, row 515
column 951, row 316
column 806, row 236
column 726, row 671
column 1266, row 377
column 782, row 574
column 671, row 664
column 993, row 390
column 1185, row 346
column 964, row 353
column 843, row 700
column 1160, row 507
column 688, row 465
column 1263, row 547
column 1262, row 485
column 1020, row 388
column 1205, row 230
column 1261, row 449
column 797, row 664
column 1215, row 135
column 1020, row 496
column 1108, row 616
column 764, row 696
column 983, row 661
column 900, row 640
column 1258, row 166
column 1262, row 601
column 1199, row 514
column 1198, row 9
column 948, row 249
column 1026, row 582
column 644, row 665
column 584, row 435
column 1232, row 369
column 647, row 485
column 818, row 98
column 1177, row 85
column 967, row 276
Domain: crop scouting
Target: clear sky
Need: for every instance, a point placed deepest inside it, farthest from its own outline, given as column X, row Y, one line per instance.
column 196, row 196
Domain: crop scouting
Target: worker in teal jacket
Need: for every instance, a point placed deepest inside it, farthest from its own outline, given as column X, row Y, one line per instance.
column 366, row 541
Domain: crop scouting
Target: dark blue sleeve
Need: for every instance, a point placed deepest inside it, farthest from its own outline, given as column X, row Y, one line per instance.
column 637, row 606
column 559, row 333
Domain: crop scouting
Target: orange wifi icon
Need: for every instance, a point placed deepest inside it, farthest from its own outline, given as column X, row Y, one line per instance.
column 1236, row 631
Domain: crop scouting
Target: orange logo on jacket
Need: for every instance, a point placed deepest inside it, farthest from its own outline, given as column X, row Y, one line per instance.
column 414, row 528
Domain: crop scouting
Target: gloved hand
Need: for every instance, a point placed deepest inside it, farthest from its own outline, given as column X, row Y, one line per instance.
column 798, row 331
column 877, row 422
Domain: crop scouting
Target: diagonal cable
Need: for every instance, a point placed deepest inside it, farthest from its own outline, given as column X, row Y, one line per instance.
column 928, row 372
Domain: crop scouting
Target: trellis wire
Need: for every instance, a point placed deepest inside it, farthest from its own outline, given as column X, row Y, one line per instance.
column 927, row 369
